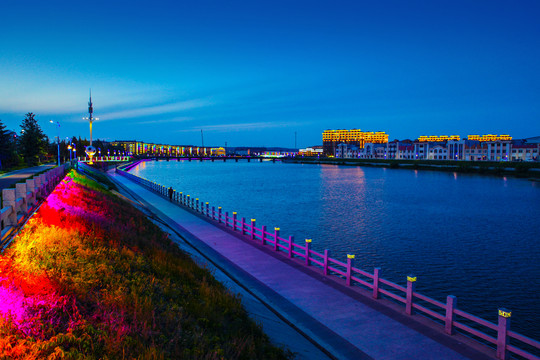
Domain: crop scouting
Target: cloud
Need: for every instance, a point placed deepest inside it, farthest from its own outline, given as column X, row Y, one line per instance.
column 178, row 119
column 152, row 110
column 240, row 126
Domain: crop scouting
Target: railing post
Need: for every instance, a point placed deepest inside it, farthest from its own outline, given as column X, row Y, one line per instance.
column 31, row 188
column 411, row 281
column 451, row 302
column 252, row 229
column 502, row 333
column 8, row 199
column 243, row 225
column 291, row 245
column 325, row 261
column 41, row 185
column 181, row 195
column 37, row 187
column 276, row 236
column 226, row 218
column 207, row 209
column 197, row 204
column 376, row 277
column 20, row 192
column 263, row 234
column 188, row 201
column 234, row 220
column 308, row 246
column 350, row 260
column 219, row 214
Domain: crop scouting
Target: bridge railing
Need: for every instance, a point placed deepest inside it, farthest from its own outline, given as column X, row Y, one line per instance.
column 19, row 202
column 447, row 314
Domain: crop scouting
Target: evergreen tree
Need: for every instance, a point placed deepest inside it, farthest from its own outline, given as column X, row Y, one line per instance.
column 33, row 142
column 8, row 156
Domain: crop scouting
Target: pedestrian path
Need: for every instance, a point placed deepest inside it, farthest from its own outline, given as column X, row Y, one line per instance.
column 8, row 179
column 325, row 312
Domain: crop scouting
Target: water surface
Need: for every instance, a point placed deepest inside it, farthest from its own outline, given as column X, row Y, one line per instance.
column 472, row 236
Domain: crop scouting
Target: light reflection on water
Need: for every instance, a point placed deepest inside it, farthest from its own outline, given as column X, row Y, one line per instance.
column 472, row 236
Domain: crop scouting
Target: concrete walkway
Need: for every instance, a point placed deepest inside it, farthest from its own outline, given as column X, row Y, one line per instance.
column 8, row 179
column 345, row 324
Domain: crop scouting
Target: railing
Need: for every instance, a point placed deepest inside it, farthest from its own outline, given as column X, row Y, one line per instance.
column 105, row 158
column 19, row 202
column 446, row 314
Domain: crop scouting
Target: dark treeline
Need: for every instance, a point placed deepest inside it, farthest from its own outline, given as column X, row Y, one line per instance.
column 30, row 146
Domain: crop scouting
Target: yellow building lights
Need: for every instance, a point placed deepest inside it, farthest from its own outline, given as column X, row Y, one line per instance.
column 435, row 138
column 489, row 137
column 355, row 135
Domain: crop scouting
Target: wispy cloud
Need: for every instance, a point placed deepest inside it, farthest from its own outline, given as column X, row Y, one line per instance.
column 164, row 121
column 153, row 110
column 240, row 126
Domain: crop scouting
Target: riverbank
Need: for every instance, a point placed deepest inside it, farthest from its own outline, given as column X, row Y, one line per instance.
column 518, row 169
column 89, row 276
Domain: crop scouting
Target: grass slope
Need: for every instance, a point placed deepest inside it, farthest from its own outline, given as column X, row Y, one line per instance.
column 90, row 277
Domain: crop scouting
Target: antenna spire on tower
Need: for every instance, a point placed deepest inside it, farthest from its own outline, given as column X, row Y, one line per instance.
column 90, row 107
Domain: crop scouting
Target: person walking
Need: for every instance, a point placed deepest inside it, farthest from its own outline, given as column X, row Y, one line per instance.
column 170, row 193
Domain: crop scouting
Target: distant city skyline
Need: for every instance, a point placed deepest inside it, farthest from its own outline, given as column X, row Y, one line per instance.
column 254, row 73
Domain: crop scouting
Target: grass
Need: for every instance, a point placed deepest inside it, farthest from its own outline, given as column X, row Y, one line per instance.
column 90, row 277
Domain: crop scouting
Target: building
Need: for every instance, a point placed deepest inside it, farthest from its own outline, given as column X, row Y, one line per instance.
column 311, row 151
column 347, row 151
column 475, row 151
column 405, row 151
column 436, row 138
column 522, row 150
column 437, row 152
column 134, row 147
column 355, row 137
column 489, row 137
column 373, row 151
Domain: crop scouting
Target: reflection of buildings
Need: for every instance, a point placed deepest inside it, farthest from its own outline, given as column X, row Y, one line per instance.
column 141, row 148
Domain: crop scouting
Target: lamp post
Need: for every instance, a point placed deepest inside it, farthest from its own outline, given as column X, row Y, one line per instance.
column 58, row 138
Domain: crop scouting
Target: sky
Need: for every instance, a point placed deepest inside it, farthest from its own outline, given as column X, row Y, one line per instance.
column 254, row 73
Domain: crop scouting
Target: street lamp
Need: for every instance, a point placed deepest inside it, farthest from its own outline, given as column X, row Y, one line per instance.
column 58, row 137
column 69, row 148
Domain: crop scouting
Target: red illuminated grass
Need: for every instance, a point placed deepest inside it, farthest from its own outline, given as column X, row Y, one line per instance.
column 91, row 277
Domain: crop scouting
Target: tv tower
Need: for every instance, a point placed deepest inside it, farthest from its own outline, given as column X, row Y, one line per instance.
column 90, row 150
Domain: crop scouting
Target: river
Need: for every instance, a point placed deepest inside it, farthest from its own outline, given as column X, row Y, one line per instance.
column 472, row 236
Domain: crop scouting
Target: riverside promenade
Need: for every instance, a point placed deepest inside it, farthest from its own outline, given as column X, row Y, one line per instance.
column 342, row 322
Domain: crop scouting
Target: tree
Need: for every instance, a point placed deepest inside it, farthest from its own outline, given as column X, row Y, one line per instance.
column 33, row 142
column 8, row 156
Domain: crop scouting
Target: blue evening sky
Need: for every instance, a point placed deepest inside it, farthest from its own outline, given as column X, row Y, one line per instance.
column 255, row 72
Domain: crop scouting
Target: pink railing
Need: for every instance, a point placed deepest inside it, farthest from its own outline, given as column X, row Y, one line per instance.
column 445, row 313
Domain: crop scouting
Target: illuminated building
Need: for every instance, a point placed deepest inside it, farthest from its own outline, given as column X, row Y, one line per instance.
column 489, row 137
column 311, row 151
column 353, row 137
column 435, row 138
column 141, row 148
